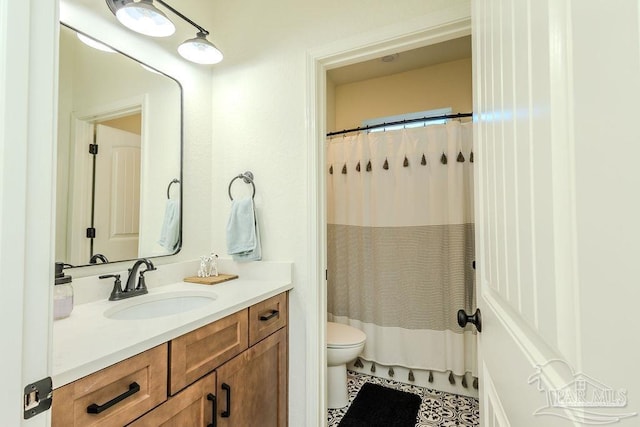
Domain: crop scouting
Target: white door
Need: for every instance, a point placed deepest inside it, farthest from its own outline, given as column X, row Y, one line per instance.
column 28, row 44
column 556, row 98
column 117, row 193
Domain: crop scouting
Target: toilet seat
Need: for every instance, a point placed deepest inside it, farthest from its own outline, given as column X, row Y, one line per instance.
column 344, row 336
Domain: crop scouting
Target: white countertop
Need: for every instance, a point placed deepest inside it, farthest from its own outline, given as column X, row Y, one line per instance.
column 87, row 341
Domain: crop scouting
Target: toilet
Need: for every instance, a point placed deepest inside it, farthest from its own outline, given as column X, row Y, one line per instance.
column 344, row 344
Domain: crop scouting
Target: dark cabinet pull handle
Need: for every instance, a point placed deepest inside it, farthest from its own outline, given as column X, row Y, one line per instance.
column 94, row 408
column 227, row 413
column 475, row 319
column 214, row 406
column 273, row 314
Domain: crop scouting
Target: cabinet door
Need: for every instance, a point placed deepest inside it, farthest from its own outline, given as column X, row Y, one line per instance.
column 193, row 407
column 252, row 387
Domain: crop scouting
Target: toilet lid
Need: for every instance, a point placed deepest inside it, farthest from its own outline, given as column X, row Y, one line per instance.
column 339, row 335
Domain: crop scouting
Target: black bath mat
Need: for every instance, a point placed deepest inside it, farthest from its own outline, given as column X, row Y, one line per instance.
column 377, row 406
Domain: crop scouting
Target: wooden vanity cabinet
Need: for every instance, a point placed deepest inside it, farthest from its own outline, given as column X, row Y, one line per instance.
column 246, row 353
column 235, row 368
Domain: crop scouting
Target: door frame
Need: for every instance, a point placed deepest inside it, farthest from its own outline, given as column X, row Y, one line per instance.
column 429, row 29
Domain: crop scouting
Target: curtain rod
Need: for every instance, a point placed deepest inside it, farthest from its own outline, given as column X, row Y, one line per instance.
column 401, row 122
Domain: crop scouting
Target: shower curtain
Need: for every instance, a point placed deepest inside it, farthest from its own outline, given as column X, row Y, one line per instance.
column 401, row 244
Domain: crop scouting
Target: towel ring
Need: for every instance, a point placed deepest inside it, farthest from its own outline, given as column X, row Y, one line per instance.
column 173, row 181
column 247, row 177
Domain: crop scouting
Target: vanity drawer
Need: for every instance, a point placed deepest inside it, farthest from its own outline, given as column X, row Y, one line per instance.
column 197, row 353
column 116, row 395
column 266, row 317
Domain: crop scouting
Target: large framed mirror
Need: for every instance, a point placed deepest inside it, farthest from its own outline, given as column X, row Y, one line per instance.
column 119, row 172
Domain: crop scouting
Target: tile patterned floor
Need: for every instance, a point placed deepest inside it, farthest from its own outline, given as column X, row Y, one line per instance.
column 438, row 409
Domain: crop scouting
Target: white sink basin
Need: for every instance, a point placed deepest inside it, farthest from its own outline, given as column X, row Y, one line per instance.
column 151, row 306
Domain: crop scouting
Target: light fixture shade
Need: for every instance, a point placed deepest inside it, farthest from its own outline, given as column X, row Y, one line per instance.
column 144, row 18
column 200, row 50
column 94, row 43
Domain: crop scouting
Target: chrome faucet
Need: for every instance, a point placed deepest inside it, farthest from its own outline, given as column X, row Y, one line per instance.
column 131, row 289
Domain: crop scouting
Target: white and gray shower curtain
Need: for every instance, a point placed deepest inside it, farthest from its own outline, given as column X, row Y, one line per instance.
column 401, row 244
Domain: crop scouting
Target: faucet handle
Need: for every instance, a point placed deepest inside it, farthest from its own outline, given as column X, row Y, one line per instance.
column 142, row 286
column 117, row 286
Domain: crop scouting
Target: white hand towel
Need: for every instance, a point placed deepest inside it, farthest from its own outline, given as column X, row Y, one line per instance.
column 256, row 253
column 241, row 228
column 170, row 233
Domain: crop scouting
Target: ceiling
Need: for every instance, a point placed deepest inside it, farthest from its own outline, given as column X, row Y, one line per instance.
column 450, row 50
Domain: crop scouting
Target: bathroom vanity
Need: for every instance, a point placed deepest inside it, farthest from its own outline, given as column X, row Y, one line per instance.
column 228, row 358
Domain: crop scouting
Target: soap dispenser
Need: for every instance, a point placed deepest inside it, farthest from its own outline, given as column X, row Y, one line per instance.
column 62, row 294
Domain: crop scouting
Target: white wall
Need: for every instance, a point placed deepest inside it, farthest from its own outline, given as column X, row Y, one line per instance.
column 606, row 192
column 196, row 82
column 259, row 124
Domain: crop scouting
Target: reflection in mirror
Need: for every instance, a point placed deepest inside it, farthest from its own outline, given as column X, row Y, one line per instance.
column 119, row 157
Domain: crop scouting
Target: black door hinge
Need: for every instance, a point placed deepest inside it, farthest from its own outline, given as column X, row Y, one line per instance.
column 37, row 397
column 93, row 149
column 91, row 233
column 326, row 274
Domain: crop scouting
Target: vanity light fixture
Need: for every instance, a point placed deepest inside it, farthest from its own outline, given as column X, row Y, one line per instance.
column 143, row 17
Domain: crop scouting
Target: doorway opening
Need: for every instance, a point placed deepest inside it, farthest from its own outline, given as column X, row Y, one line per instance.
column 321, row 62
column 389, row 274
